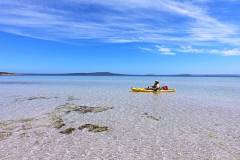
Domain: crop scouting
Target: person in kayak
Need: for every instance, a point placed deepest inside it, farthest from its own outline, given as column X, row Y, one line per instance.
column 155, row 87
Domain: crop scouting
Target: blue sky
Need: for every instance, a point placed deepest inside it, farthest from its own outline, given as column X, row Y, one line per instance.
column 124, row 36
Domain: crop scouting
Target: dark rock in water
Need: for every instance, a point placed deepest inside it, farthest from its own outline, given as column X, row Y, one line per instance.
column 68, row 131
column 93, row 128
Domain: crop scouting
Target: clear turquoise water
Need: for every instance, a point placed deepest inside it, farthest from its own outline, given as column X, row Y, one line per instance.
column 191, row 91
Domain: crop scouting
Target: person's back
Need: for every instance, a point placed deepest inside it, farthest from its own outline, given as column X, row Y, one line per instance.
column 156, row 85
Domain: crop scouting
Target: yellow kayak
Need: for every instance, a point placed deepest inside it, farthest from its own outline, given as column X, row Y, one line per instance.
column 151, row 91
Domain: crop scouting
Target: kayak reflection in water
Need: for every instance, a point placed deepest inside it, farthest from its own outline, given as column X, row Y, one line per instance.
column 155, row 87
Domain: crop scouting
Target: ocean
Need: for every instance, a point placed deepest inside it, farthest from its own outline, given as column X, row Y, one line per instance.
column 80, row 117
column 112, row 90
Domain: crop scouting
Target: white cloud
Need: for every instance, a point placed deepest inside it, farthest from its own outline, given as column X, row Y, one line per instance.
column 128, row 21
column 232, row 52
column 222, row 52
column 164, row 50
column 168, row 53
column 157, row 49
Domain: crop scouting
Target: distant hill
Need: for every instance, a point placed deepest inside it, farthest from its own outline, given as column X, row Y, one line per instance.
column 117, row 74
column 189, row 75
column 6, row 74
column 95, row 74
column 75, row 74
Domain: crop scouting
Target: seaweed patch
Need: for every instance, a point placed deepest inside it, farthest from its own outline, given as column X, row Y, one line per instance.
column 152, row 117
column 72, row 98
column 57, row 122
column 38, row 98
column 68, row 131
column 4, row 135
column 82, row 109
column 94, row 128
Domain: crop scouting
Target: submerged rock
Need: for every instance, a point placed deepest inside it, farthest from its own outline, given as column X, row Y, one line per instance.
column 68, row 131
column 152, row 117
column 34, row 98
column 94, row 128
column 67, row 108
column 4, row 135
column 58, row 119
column 16, row 125
column 26, row 120
column 72, row 98
column 38, row 98
column 3, row 124
column 57, row 122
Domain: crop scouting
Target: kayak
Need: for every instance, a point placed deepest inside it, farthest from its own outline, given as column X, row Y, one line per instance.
column 151, row 91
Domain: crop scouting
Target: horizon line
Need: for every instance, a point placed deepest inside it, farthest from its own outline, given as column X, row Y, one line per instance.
column 115, row 74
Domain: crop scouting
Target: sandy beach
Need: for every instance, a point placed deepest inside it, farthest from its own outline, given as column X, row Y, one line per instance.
column 49, row 122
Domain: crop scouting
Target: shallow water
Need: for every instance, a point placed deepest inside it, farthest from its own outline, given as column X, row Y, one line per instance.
column 114, row 91
column 200, row 121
